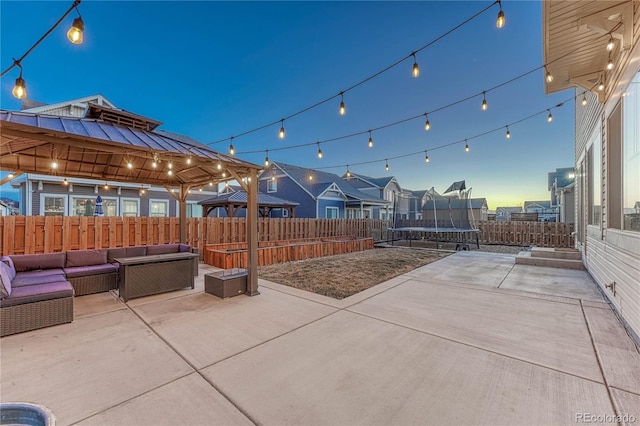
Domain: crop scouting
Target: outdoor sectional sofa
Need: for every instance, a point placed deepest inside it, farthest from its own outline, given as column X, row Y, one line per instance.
column 37, row 290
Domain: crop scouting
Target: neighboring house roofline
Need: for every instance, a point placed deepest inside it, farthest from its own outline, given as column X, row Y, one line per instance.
column 333, row 187
column 85, row 99
column 274, row 164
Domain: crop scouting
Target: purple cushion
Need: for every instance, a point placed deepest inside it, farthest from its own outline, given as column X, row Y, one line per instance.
column 115, row 253
column 42, row 273
column 37, row 293
column 86, row 258
column 84, row 271
column 33, row 262
column 5, row 281
column 27, row 278
column 12, row 269
column 184, row 248
column 163, row 249
column 136, row 251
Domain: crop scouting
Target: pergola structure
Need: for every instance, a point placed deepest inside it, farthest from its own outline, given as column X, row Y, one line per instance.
column 119, row 146
column 234, row 201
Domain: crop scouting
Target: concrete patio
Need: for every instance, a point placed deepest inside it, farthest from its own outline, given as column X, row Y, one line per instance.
column 470, row 339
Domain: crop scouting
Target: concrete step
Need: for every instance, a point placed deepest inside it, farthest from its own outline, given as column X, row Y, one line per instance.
column 525, row 258
column 555, row 253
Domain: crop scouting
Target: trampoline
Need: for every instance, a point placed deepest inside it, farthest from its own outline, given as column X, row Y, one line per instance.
column 447, row 218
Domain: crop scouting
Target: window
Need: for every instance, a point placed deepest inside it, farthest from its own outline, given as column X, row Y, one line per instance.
column 53, row 205
column 158, row 208
column 595, row 180
column 353, row 213
column 285, row 212
column 331, row 213
column 272, row 185
column 194, row 210
column 631, row 156
column 86, row 206
column 130, row 207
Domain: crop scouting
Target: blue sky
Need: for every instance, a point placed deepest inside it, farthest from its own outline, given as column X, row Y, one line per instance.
column 216, row 69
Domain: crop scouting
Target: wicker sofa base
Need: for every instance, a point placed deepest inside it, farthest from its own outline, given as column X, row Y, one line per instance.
column 94, row 283
column 31, row 316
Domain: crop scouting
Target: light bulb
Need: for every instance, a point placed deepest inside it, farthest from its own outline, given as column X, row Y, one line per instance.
column 219, row 166
column 500, row 21
column 170, row 172
column 65, row 182
column 154, row 164
column 549, row 77
column 189, row 160
column 319, row 153
column 484, row 105
column 370, row 140
column 281, row 133
column 20, row 89
column 342, row 109
column 584, row 100
column 224, row 174
column 142, row 191
column 466, row 147
column 199, row 189
column 170, row 165
column 75, row 33
column 210, row 183
column 348, row 172
column 426, row 157
column 610, row 44
column 266, row 160
column 129, row 165
column 601, row 86
column 106, row 186
column 54, row 164
column 610, row 64
column 386, row 165
column 427, row 124
column 310, row 177
column 508, row 134
column 232, row 150
column 273, row 177
column 10, row 175
column 550, row 117
column 415, row 72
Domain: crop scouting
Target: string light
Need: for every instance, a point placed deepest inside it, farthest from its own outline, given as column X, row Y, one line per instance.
column 415, row 72
column 386, row 165
column 610, row 44
column 210, row 183
column 154, row 163
column 348, row 172
column 232, row 150
column 200, row 189
column 20, row 89
column 106, row 185
column 189, row 160
column 170, row 165
column 370, row 140
column 500, row 21
column 601, row 85
column 142, row 191
column 584, row 100
column 484, row 101
column 273, row 174
column 548, row 75
column 342, row 109
column 281, row 133
column 508, row 133
column 266, row 158
column 54, row 165
column 426, row 157
column 427, row 125
column 129, row 165
column 219, row 166
column 224, row 174
column 65, row 182
column 466, row 146
column 170, row 172
column 319, row 151
column 610, row 63
column 10, row 175
column 310, row 176
column 75, row 33
column 549, row 117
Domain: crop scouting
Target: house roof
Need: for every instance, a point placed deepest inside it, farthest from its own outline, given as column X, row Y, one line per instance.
column 565, row 177
column 544, row 204
column 379, row 182
column 39, row 107
column 455, row 203
column 323, row 180
column 240, row 197
column 509, row 209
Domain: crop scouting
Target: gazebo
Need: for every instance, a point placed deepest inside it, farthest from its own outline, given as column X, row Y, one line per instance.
column 115, row 145
column 234, row 201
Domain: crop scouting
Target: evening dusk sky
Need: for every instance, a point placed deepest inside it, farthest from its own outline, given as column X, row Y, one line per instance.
column 212, row 70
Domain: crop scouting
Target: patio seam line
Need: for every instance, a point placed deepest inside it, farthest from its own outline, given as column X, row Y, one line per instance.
column 595, row 350
column 625, row 390
column 507, row 274
column 272, row 339
column 479, row 348
column 133, row 397
column 196, row 370
column 508, row 292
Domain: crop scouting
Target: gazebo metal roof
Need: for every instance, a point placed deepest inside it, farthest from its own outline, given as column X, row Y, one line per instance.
column 234, row 201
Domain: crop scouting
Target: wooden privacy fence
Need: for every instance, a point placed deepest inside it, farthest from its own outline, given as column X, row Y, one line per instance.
column 40, row 234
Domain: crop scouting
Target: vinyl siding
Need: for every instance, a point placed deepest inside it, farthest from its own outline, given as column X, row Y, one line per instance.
column 291, row 191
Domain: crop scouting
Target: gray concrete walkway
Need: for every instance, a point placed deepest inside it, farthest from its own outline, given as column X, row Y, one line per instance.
column 470, row 339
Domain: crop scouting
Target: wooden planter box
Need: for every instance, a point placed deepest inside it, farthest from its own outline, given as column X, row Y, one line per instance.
column 224, row 284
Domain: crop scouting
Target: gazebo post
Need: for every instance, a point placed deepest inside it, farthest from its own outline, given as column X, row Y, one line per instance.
column 184, row 191
column 252, row 233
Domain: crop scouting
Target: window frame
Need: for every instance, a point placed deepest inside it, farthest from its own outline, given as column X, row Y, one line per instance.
column 125, row 199
column 332, row 208
column 65, row 207
column 158, row 200
column 271, row 182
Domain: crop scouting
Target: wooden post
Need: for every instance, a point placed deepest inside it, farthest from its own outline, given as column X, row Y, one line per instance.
column 252, row 233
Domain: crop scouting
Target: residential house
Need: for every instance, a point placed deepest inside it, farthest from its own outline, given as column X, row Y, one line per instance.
column 417, row 199
column 5, row 210
column 561, row 183
column 607, row 144
column 386, row 188
column 504, row 213
column 545, row 211
column 48, row 195
column 318, row 194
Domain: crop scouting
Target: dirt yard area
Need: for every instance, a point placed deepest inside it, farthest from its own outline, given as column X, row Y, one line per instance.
column 343, row 275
